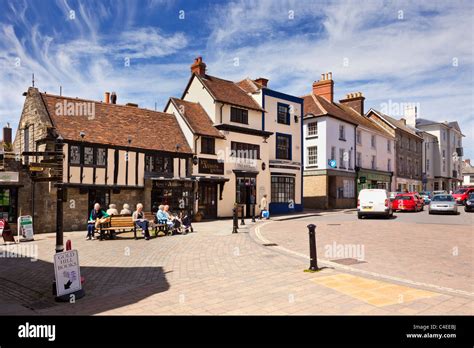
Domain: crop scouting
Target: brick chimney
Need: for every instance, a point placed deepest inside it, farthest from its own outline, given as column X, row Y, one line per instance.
column 198, row 67
column 324, row 87
column 107, row 98
column 262, row 81
column 355, row 101
column 7, row 134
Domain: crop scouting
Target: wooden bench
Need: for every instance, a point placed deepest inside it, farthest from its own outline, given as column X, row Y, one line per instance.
column 125, row 224
column 117, row 223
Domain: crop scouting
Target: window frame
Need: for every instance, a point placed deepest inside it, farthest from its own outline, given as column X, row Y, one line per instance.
column 208, row 145
column 308, row 134
column 342, row 135
column 314, row 156
column 289, row 150
column 286, row 115
column 239, row 115
column 288, row 183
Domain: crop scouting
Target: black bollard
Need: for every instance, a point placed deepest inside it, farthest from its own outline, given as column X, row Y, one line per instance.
column 235, row 220
column 313, row 266
column 242, row 222
column 253, row 212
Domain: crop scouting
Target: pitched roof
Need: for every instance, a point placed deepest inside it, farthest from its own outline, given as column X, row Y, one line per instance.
column 319, row 106
column 113, row 124
column 196, row 117
column 363, row 120
column 249, row 85
column 228, row 92
column 396, row 123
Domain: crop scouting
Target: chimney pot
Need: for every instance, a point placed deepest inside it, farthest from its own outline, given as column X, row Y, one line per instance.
column 330, row 75
column 324, row 88
column 113, row 98
column 198, row 67
column 262, row 81
column 107, row 97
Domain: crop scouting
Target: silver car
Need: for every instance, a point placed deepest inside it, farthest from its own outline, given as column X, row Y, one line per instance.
column 443, row 203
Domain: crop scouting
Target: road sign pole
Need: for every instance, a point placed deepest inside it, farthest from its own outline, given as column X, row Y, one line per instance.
column 59, row 204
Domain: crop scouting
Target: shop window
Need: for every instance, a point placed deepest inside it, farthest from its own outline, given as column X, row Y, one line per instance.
column 283, row 189
column 9, row 204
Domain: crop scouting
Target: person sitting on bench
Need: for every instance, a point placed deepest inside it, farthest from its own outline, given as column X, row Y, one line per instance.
column 139, row 220
column 97, row 216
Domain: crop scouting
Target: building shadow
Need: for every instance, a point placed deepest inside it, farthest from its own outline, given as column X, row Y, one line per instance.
column 28, row 285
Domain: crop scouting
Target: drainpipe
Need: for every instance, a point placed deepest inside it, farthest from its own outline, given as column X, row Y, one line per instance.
column 222, row 105
column 196, row 202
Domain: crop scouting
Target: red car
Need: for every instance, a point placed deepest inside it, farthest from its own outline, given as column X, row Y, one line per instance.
column 461, row 194
column 408, row 202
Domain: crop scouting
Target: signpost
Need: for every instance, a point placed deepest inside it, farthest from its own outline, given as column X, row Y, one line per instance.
column 67, row 274
column 25, row 228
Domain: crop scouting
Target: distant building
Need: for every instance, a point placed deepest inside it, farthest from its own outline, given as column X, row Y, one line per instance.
column 408, row 151
column 467, row 173
column 448, row 154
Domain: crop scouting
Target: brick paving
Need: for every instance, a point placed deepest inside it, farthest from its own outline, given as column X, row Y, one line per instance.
column 211, row 271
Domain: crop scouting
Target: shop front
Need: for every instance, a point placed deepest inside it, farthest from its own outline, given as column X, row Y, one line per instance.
column 177, row 193
column 246, row 190
column 373, row 179
column 9, row 184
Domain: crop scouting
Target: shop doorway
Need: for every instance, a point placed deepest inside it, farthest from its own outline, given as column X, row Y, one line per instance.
column 101, row 196
column 245, row 191
column 208, row 200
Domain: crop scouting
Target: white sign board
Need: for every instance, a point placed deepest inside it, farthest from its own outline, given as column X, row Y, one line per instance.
column 9, row 177
column 67, row 272
column 25, row 227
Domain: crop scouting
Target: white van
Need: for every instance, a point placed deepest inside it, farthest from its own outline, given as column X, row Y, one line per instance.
column 374, row 202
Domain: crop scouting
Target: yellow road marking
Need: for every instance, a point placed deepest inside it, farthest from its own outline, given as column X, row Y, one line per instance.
column 374, row 292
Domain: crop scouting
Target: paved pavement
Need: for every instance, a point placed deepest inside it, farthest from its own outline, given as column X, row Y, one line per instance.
column 213, row 271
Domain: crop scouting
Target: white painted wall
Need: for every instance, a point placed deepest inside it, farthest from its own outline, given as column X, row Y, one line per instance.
column 320, row 141
column 380, row 151
column 198, row 93
column 188, row 134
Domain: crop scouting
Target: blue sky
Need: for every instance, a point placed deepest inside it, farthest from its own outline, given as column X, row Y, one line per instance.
column 393, row 52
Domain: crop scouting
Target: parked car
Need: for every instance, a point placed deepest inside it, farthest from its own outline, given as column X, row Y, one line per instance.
column 443, row 204
column 374, row 202
column 438, row 192
column 426, row 195
column 393, row 195
column 461, row 194
column 407, row 202
column 469, row 203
